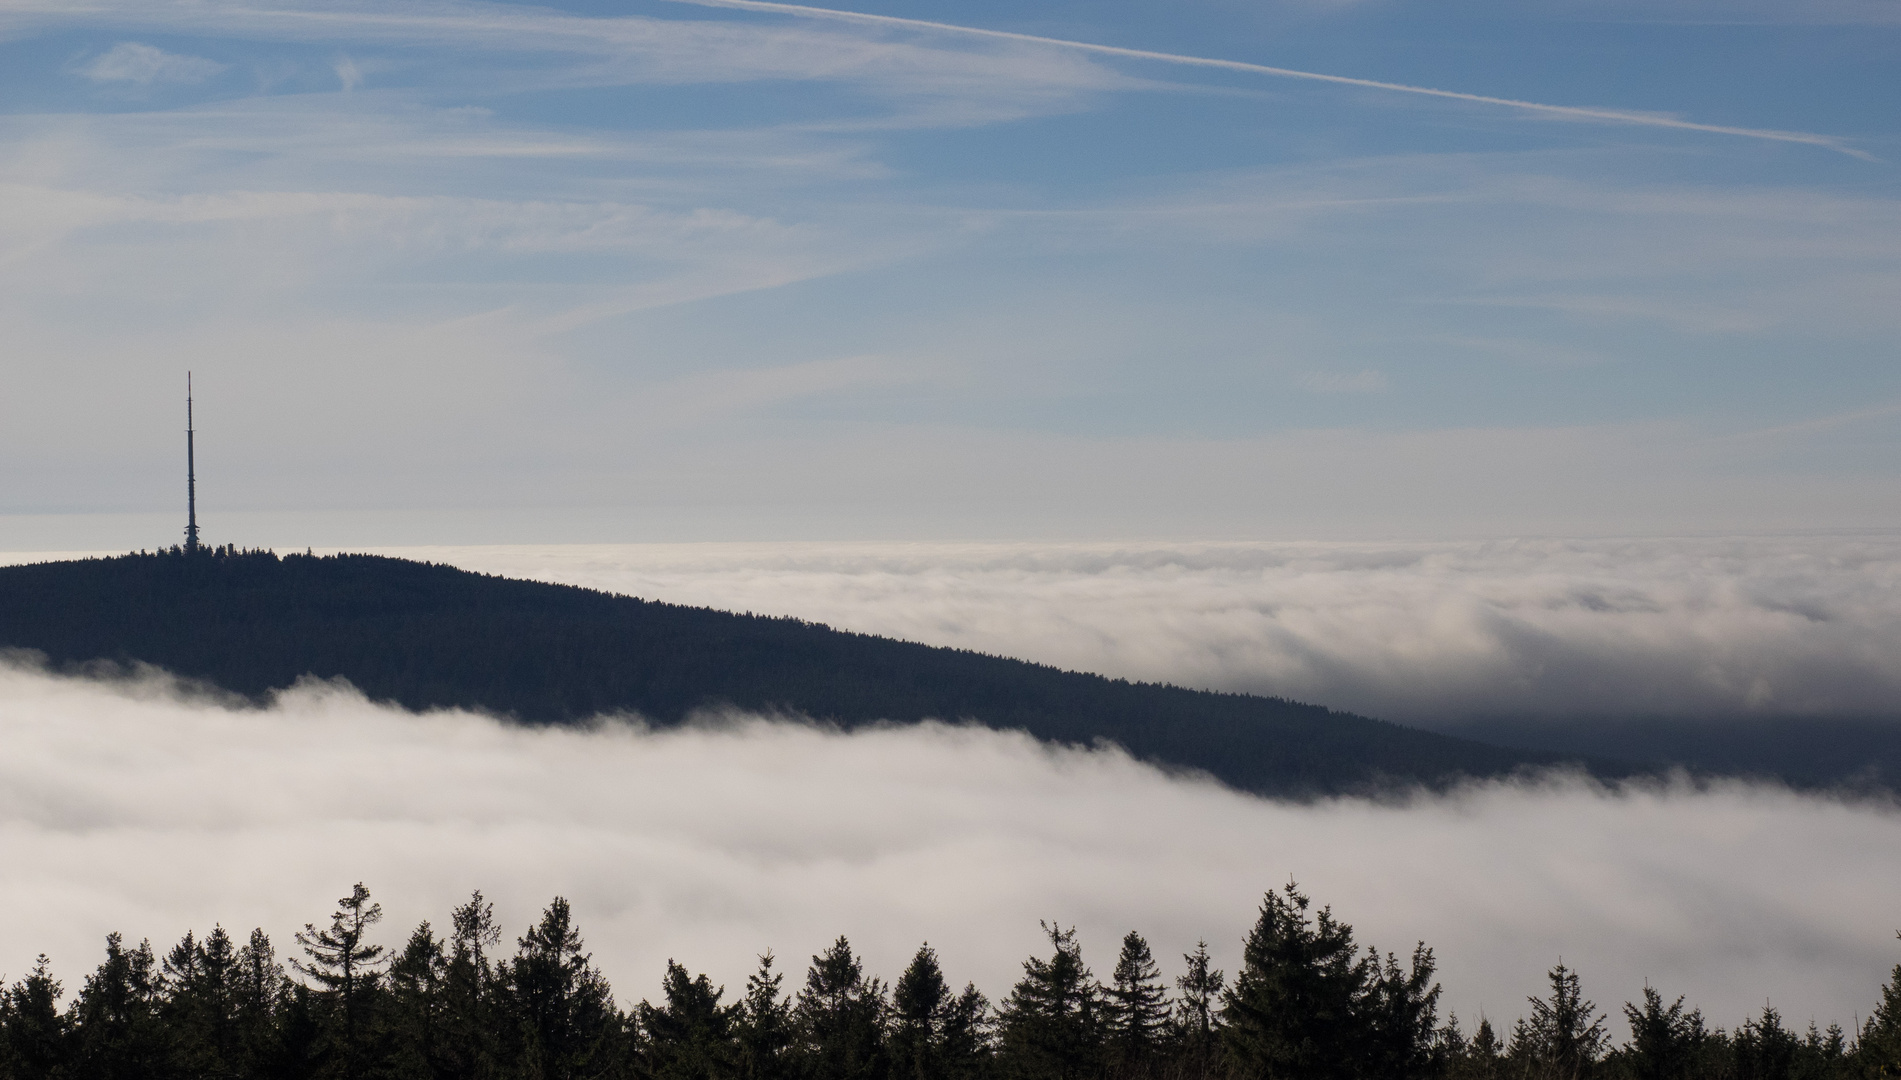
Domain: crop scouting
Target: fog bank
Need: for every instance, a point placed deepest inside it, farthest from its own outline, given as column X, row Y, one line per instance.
column 128, row 805
column 1426, row 633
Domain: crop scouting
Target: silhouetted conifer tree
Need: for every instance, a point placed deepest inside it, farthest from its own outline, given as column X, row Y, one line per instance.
column 35, row 1044
column 1564, row 1036
column 469, row 1005
column 1824, row 1054
column 1051, row 1027
column 1666, row 1042
column 564, row 1022
column 117, row 1032
column 1481, row 1057
column 200, row 1005
column 259, row 990
column 763, row 1028
column 1197, row 1016
column 1293, row 1012
column 935, row 1034
column 839, row 1018
column 1400, row 1014
column 416, row 1030
column 1763, row 1049
column 1878, row 1050
column 919, row 1002
column 690, row 1036
column 1135, row 1011
column 965, row 1048
column 344, row 966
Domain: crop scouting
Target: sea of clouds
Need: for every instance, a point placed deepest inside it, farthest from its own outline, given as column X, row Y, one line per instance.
column 133, row 804
column 1424, row 633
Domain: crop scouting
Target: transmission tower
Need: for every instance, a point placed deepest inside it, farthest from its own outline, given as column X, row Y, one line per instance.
column 191, row 477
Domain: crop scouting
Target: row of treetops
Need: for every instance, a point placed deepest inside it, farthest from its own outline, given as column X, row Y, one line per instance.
column 1307, row 1004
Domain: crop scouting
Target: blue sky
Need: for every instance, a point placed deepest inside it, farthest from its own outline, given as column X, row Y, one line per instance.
column 467, row 272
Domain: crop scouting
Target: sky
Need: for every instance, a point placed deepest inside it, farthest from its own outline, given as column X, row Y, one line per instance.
column 136, row 805
column 459, row 273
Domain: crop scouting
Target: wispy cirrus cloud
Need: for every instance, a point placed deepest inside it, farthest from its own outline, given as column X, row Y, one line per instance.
column 1563, row 112
column 616, row 50
column 133, row 62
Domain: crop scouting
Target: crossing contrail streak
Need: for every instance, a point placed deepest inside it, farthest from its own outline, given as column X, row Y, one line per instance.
column 1575, row 112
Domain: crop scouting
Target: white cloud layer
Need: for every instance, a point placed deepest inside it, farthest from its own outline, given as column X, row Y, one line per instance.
column 128, row 806
column 1415, row 632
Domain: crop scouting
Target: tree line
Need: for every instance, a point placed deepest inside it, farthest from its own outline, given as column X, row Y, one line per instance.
column 1308, row 1003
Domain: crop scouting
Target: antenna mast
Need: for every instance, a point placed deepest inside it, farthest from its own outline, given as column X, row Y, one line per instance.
column 191, row 477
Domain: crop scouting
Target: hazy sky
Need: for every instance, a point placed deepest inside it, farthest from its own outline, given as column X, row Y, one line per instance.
column 133, row 808
column 621, row 271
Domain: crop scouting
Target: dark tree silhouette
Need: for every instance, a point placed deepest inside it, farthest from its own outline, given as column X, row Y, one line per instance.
column 341, row 960
column 1052, row 1024
column 1293, row 1012
column 1564, row 1036
column 763, row 1028
column 565, row 1023
column 1135, row 1011
column 840, row 1017
column 690, row 1035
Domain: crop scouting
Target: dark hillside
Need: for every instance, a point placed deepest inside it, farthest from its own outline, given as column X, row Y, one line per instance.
column 1848, row 755
column 424, row 636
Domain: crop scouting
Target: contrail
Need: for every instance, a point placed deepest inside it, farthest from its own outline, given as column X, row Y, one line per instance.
column 1614, row 116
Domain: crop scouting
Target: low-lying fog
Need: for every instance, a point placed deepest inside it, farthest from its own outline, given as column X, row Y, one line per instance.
column 128, row 805
column 1424, row 633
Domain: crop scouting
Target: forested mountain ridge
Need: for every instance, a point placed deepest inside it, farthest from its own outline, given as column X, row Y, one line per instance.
column 427, row 636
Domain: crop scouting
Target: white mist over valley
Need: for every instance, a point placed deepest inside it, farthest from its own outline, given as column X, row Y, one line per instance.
column 133, row 804
column 1423, row 632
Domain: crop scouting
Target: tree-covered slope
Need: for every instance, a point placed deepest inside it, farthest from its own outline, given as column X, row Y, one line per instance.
column 425, row 636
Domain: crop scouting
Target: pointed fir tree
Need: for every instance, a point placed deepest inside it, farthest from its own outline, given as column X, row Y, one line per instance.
column 839, row 1018
column 414, row 1017
column 1293, row 1011
column 33, row 1034
column 1051, row 1026
column 1135, row 1011
column 258, row 989
column 469, row 1005
column 1762, row 1049
column 964, row 1048
column 563, row 1021
column 1564, row 1036
column 1197, row 1015
column 920, row 1005
column 763, row 1027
